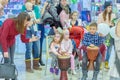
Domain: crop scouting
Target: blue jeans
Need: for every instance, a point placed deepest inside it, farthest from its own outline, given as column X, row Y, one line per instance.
column 109, row 49
column 32, row 47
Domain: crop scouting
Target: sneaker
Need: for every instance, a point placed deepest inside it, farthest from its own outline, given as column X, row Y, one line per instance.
column 56, row 71
column 106, row 65
column 52, row 70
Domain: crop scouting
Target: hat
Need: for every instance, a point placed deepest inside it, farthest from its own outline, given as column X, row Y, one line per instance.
column 107, row 3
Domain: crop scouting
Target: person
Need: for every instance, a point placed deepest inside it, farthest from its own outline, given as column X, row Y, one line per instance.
column 91, row 38
column 54, row 52
column 67, row 49
column 63, row 10
column 2, row 5
column 32, row 31
column 37, row 15
column 10, row 28
column 74, row 21
column 107, row 17
column 114, row 70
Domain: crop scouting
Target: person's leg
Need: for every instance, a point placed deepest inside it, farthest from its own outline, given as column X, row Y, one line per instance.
column 36, row 51
column 52, row 62
column 97, row 66
column 84, row 66
column 40, row 56
column 109, row 49
column 42, row 29
column 72, row 64
column 12, row 50
column 28, row 57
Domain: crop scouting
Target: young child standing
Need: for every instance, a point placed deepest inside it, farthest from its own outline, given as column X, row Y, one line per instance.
column 67, row 48
column 92, row 38
column 54, row 52
column 32, row 47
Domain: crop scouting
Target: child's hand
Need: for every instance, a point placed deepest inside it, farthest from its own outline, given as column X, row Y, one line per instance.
column 100, row 34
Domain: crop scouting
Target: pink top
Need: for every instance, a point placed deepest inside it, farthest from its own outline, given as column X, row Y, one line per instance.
column 63, row 18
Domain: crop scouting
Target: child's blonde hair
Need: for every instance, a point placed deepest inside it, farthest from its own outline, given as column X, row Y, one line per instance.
column 28, row 4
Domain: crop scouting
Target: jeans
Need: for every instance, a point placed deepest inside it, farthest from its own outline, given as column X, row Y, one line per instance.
column 109, row 49
column 42, row 29
column 32, row 47
column 85, row 62
column 11, row 51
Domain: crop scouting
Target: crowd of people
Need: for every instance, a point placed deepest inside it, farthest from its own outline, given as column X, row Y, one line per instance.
column 30, row 25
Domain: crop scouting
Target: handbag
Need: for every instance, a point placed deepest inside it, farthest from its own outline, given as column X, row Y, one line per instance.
column 8, row 71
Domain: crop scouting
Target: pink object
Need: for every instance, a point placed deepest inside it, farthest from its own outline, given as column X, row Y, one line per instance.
column 72, row 62
column 63, row 18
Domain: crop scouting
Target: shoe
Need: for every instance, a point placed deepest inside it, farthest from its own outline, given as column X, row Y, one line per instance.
column 56, row 71
column 52, row 70
column 101, row 65
column 106, row 65
column 28, row 66
column 41, row 63
column 74, row 72
column 36, row 65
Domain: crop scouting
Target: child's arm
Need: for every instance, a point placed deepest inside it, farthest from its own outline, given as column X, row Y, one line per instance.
column 86, row 39
column 53, row 50
column 101, row 39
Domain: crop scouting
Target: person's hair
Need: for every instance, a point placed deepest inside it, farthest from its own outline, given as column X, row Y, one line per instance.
column 93, row 24
column 61, row 37
column 105, row 13
column 37, row 2
column 72, row 14
column 28, row 0
column 20, row 21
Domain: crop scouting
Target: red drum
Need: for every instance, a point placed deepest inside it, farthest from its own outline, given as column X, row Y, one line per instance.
column 92, row 53
column 64, row 64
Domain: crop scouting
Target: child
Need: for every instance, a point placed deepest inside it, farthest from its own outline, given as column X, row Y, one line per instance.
column 67, row 48
column 32, row 46
column 92, row 38
column 74, row 21
column 54, row 48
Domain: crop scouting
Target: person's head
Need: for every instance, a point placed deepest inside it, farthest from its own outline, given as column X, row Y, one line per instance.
column 63, row 2
column 4, row 2
column 93, row 28
column 57, row 37
column 21, row 21
column 66, row 34
column 108, row 10
column 37, row 2
column 108, row 6
column 28, row 6
column 74, row 15
column 32, row 1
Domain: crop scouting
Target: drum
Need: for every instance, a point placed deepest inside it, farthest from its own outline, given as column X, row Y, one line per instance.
column 92, row 53
column 64, row 64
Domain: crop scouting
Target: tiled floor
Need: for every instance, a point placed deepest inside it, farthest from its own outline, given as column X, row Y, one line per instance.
column 40, row 75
